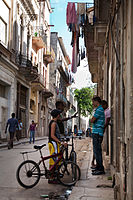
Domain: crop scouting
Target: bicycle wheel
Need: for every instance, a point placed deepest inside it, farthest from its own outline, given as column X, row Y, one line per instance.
column 68, row 173
column 28, row 174
column 73, row 157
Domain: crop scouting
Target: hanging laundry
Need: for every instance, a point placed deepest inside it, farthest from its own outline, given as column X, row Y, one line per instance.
column 78, row 57
column 81, row 8
column 71, row 15
column 74, row 54
column 82, row 53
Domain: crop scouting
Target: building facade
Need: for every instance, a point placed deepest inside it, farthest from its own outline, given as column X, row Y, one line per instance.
column 110, row 62
column 25, row 55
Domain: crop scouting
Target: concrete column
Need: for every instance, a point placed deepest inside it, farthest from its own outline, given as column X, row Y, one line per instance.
column 129, row 101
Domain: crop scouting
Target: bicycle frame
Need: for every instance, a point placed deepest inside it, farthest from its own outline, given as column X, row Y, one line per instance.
column 48, row 157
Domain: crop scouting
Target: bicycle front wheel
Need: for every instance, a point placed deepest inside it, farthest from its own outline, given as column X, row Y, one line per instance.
column 28, row 174
column 73, row 157
column 68, row 173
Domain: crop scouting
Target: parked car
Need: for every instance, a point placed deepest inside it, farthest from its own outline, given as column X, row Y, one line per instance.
column 79, row 133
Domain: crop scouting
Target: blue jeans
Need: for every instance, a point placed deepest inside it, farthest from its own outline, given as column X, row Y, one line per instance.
column 32, row 135
column 97, row 149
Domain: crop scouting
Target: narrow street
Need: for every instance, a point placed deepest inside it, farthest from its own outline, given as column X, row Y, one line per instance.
column 9, row 187
column 86, row 188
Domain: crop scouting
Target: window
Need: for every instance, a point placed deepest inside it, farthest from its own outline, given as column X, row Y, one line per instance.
column 4, row 22
column 2, row 91
column 3, row 33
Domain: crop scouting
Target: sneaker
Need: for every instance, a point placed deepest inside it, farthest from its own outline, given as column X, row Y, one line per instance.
column 93, row 166
column 97, row 172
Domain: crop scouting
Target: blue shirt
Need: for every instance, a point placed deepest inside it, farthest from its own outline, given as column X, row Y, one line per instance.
column 13, row 123
column 98, row 125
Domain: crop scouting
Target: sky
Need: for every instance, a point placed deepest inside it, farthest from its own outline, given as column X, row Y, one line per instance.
column 58, row 19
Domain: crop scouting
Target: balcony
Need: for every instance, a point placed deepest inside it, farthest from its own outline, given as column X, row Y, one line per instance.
column 26, row 68
column 63, row 71
column 38, row 39
column 39, row 83
column 49, row 55
column 48, row 91
column 61, row 97
column 92, row 52
column 38, row 42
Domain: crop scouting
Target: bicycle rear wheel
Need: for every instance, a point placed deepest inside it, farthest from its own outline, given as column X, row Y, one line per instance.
column 68, row 173
column 28, row 174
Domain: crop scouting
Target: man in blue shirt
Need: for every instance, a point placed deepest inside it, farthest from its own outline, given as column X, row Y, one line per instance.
column 98, row 121
column 12, row 123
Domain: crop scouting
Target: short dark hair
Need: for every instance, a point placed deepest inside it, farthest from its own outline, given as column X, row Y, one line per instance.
column 58, row 103
column 55, row 112
column 97, row 98
column 13, row 115
column 104, row 103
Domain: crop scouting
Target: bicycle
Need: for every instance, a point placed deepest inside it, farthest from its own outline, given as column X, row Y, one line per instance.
column 28, row 173
column 73, row 155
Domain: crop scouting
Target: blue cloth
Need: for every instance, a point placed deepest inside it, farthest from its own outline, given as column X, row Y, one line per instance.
column 13, row 123
column 98, row 125
column 97, row 149
column 32, row 135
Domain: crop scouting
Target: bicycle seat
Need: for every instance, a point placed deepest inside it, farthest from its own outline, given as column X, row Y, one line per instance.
column 39, row 146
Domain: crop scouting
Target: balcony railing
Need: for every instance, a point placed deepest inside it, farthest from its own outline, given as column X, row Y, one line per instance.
column 26, row 67
column 62, row 69
column 61, row 97
column 49, row 90
column 39, row 83
column 49, row 55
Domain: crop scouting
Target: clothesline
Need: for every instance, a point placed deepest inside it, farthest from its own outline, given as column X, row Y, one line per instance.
column 82, row 2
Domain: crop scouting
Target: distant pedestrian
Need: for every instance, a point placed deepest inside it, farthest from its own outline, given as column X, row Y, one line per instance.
column 75, row 130
column 98, row 121
column 12, row 123
column 32, row 130
column 19, row 129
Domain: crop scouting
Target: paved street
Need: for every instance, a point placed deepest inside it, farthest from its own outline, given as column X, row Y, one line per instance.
column 9, row 188
column 86, row 188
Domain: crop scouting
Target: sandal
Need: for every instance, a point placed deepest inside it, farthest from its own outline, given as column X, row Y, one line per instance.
column 53, row 181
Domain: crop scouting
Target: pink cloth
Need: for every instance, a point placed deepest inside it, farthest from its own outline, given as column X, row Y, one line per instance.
column 74, row 55
column 107, row 114
column 32, row 127
column 71, row 15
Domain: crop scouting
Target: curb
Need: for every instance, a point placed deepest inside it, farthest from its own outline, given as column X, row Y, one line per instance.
column 4, row 145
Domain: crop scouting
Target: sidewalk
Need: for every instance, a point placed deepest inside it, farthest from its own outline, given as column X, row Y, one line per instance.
column 21, row 141
column 91, row 187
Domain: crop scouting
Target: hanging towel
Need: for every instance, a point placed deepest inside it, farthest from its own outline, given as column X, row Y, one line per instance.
column 81, row 8
column 74, row 55
column 71, row 15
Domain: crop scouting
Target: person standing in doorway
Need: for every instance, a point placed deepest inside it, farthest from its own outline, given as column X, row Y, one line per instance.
column 32, row 130
column 12, row 123
column 98, row 121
